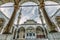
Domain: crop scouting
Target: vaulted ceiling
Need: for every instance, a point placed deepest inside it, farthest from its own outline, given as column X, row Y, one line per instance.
column 6, row 1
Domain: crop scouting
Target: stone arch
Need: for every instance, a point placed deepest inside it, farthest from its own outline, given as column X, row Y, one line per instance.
column 21, row 32
column 40, row 32
column 38, row 28
column 2, row 21
column 2, row 18
column 29, row 28
column 30, row 32
column 23, row 1
column 22, row 29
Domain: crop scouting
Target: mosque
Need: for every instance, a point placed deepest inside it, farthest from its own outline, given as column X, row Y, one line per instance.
column 13, row 27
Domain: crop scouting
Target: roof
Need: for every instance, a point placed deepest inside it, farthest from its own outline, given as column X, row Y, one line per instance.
column 4, row 14
column 6, row 1
column 30, row 22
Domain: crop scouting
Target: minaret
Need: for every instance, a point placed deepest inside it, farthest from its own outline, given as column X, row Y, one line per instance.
column 18, row 21
column 51, row 26
column 11, row 21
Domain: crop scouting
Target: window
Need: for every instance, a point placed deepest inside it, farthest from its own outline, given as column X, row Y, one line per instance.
column 30, row 34
column 27, row 34
column 33, row 34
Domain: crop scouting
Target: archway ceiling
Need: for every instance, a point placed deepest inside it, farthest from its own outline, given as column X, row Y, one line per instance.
column 6, row 1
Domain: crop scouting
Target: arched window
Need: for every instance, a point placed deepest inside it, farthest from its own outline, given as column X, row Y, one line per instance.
column 1, row 23
column 40, row 32
column 21, row 32
column 30, row 32
column 22, row 29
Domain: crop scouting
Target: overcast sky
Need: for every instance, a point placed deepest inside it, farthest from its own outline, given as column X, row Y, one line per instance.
column 29, row 12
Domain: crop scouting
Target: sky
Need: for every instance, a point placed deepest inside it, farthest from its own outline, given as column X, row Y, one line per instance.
column 29, row 12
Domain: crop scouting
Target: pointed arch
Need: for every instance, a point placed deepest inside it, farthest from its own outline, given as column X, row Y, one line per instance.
column 39, row 29
column 22, row 29
column 21, row 32
column 40, row 32
column 30, row 28
column 24, row 1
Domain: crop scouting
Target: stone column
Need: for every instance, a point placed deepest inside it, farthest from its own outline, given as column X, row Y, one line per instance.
column 51, row 26
column 14, row 34
column 11, row 21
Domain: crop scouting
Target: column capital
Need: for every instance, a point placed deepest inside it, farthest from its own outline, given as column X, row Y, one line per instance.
column 41, row 3
column 17, row 2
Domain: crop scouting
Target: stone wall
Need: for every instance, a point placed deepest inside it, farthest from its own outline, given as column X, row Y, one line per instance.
column 51, row 36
